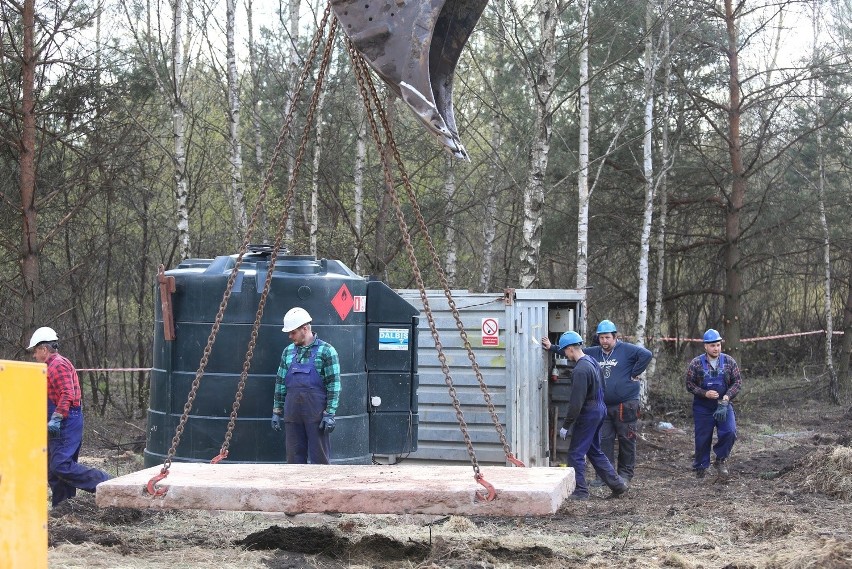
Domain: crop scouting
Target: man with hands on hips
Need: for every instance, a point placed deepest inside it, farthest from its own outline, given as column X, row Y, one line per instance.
column 586, row 411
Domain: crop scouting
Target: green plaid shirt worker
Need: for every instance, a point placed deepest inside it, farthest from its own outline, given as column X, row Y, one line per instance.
column 326, row 361
column 307, row 392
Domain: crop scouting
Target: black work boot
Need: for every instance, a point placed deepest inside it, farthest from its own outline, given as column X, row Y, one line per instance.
column 700, row 472
column 618, row 492
column 721, row 468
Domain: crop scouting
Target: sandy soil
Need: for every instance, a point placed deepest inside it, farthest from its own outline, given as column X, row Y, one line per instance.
column 787, row 505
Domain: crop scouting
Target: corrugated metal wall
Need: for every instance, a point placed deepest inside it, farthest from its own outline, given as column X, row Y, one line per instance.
column 439, row 436
column 515, row 371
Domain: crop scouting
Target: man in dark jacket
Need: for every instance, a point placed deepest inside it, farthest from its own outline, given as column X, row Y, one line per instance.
column 586, row 411
column 622, row 364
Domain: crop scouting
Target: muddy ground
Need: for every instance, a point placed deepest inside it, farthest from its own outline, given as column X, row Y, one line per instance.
column 788, row 504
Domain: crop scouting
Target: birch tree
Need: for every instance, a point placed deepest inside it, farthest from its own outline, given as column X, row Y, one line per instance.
column 293, row 67
column 649, row 77
column 543, row 83
column 583, row 194
column 450, row 232
column 833, row 394
column 489, row 221
column 358, row 183
column 235, row 155
column 662, row 220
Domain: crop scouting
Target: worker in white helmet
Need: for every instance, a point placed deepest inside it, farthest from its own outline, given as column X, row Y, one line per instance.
column 307, row 391
column 65, row 421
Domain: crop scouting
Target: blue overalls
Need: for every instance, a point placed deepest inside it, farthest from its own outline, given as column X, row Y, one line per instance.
column 303, row 408
column 702, row 411
column 64, row 474
column 586, row 440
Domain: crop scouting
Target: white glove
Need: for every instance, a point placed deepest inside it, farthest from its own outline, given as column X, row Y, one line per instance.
column 563, row 433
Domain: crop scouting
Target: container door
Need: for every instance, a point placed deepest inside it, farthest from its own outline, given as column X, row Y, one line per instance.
column 527, row 376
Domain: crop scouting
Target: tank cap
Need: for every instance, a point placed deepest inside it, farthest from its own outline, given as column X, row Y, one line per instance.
column 261, row 249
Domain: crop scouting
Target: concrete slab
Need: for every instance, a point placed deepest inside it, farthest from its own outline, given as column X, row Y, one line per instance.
column 375, row 489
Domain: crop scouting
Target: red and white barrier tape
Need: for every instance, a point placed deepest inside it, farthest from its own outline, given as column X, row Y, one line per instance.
column 757, row 338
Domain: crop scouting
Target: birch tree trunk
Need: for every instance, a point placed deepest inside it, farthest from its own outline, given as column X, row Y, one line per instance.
column 833, row 393
column 315, row 178
column 583, row 195
column 543, row 79
column 489, row 222
column 449, row 214
column 665, row 159
column 846, row 340
column 238, row 200
column 648, row 168
column 293, row 66
column 262, row 230
column 179, row 131
column 360, row 162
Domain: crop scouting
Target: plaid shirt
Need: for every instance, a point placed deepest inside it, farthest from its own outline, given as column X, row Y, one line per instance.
column 63, row 386
column 695, row 376
column 326, row 362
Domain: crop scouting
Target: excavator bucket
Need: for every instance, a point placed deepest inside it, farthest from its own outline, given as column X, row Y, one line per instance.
column 414, row 46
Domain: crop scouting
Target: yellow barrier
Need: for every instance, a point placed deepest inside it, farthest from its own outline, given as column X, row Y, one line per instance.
column 23, row 465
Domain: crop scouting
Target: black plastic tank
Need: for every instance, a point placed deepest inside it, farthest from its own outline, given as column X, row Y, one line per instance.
column 337, row 300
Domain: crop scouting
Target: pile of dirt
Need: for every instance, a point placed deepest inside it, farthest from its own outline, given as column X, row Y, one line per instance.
column 828, row 470
column 309, row 540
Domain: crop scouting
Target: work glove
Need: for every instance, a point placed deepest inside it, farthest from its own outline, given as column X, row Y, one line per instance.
column 721, row 413
column 327, row 423
column 563, row 433
column 276, row 422
column 54, row 425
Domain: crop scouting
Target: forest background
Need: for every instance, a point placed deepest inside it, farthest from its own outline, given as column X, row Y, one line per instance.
column 686, row 162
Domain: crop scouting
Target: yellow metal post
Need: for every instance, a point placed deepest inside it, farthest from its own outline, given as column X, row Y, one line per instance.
column 23, row 465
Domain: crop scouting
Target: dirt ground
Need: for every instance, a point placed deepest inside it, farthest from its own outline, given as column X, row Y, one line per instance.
column 787, row 505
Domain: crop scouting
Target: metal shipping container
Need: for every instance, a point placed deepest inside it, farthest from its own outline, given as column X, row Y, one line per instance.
column 505, row 331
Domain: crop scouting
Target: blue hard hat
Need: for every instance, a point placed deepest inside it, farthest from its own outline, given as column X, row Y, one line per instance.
column 711, row 336
column 606, row 327
column 569, row 338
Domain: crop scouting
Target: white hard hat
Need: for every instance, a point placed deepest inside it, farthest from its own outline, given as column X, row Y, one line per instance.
column 294, row 318
column 43, row 334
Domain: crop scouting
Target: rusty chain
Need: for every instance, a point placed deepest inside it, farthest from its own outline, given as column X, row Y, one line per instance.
column 279, row 236
column 368, row 94
column 267, row 182
column 442, row 276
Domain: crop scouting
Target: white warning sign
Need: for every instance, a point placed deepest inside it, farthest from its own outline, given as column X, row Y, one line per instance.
column 490, row 332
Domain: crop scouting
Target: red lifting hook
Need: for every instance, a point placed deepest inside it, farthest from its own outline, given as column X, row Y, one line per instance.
column 152, row 484
column 492, row 493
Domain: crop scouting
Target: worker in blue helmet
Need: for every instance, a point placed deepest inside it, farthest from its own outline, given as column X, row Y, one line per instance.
column 714, row 380
column 586, row 411
column 622, row 364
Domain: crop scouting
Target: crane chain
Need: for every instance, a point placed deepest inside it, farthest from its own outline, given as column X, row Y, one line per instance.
column 368, row 94
column 442, row 276
column 279, row 235
column 267, row 182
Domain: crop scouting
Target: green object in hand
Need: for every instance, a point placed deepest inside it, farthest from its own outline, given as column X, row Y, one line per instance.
column 721, row 413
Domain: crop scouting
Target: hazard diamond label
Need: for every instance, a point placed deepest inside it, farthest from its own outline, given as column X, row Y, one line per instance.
column 343, row 302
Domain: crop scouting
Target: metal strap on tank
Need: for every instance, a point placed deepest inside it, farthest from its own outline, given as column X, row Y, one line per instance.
column 283, row 136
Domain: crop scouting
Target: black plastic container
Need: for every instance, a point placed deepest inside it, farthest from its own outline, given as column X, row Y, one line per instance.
column 340, row 305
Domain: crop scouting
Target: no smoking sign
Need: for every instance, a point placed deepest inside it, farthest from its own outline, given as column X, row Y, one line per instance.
column 490, row 332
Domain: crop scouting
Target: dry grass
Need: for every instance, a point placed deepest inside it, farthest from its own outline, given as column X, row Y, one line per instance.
column 829, row 471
